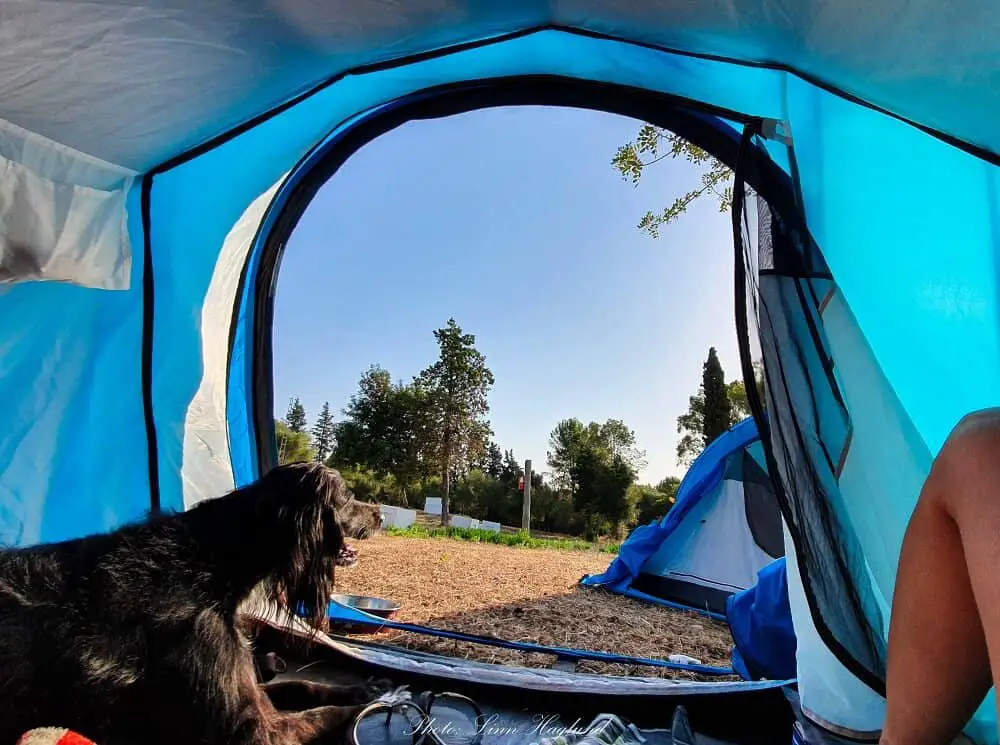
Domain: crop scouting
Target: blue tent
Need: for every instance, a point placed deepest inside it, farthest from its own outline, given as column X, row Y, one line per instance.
column 724, row 528
column 760, row 619
column 156, row 156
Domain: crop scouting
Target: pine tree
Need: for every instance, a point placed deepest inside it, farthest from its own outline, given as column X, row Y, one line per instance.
column 718, row 408
column 457, row 388
column 296, row 416
column 323, row 433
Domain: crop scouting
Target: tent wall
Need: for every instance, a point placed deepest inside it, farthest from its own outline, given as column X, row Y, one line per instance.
column 73, row 453
column 194, row 205
column 884, row 200
column 866, row 477
column 829, row 694
column 923, row 217
column 214, row 66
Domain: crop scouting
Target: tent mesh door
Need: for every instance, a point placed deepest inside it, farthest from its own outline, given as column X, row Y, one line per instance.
column 782, row 284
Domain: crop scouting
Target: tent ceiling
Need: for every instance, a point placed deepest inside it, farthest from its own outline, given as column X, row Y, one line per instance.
column 137, row 81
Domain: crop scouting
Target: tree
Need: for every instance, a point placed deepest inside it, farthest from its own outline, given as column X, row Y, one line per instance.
column 293, row 447
column 668, row 487
column 718, row 410
column 710, row 412
column 571, row 437
column 653, row 144
column 566, row 442
column 620, row 442
column 602, row 491
column 490, row 461
column 457, row 387
column 296, row 416
column 383, row 430
column 736, row 391
column 650, row 503
column 596, row 464
column 323, row 433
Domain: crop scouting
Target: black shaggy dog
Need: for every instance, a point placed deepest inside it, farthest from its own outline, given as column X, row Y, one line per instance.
column 134, row 637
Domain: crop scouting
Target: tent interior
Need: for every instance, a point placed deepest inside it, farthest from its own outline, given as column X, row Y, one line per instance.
column 157, row 158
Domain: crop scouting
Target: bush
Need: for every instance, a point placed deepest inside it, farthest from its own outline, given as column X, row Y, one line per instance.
column 519, row 539
column 370, row 487
column 651, row 504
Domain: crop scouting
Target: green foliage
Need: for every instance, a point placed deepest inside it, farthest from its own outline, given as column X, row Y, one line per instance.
column 296, row 416
column 571, row 438
column 368, row 485
column 293, row 447
column 653, row 144
column 715, row 408
column 652, row 503
column 736, row 392
column 519, row 539
column 323, row 433
column 718, row 412
column 492, row 461
column 383, row 430
column 597, row 463
column 457, row 388
column 669, row 486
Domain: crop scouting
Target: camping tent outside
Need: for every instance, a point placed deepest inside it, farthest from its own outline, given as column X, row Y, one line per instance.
column 724, row 528
column 150, row 153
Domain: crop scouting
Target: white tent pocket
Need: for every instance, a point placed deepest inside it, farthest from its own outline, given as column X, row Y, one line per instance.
column 63, row 230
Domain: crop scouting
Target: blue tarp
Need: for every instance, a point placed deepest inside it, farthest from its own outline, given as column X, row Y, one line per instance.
column 760, row 619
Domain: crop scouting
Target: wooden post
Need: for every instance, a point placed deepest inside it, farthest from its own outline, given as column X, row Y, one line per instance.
column 526, row 510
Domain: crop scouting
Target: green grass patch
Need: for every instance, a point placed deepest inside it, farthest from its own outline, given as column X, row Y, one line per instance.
column 519, row 539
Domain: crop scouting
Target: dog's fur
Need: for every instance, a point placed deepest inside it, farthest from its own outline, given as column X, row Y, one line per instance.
column 134, row 636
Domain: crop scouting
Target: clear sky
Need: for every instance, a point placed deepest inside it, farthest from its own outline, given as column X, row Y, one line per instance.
column 513, row 221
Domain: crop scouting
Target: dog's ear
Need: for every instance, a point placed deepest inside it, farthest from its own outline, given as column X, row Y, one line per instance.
column 306, row 526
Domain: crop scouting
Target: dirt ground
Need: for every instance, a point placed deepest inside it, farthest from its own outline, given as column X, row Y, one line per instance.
column 521, row 594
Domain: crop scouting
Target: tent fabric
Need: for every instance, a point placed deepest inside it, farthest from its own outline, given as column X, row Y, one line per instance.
column 217, row 65
column 828, row 692
column 760, row 619
column 144, row 149
column 705, row 547
column 63, row 214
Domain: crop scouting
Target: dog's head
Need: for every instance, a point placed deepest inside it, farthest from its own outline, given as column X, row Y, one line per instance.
column 358, row 520
column 298, row 506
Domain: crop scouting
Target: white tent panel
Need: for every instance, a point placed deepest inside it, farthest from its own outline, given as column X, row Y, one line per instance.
column 206, row 468
column 829, row 694
column 62, row 214
column 713, row 546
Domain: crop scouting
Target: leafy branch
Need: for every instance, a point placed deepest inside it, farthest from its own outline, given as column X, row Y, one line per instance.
column 653, row 144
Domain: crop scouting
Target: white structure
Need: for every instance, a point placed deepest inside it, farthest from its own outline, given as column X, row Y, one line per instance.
column 398, row 517
column 432, row 505
column 464, row 521
column 490, row 525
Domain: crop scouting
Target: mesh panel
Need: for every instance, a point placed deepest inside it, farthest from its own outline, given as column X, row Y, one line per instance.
column 808, row 427
column 763, row 514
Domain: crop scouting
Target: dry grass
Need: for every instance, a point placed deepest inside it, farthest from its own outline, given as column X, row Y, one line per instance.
column 528, row 595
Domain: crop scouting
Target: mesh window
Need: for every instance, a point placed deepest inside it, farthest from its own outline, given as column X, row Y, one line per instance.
column 763, row 513
column 807, row 429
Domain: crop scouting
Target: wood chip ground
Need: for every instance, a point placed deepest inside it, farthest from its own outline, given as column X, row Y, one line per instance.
column 521, row 594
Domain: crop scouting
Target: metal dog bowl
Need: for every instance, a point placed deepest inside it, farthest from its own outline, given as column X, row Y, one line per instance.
column 375, row 606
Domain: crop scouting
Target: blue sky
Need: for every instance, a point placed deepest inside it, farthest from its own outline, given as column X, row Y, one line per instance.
column 513, row 221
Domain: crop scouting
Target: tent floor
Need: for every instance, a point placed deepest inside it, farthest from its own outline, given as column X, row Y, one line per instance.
column 752, row 717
